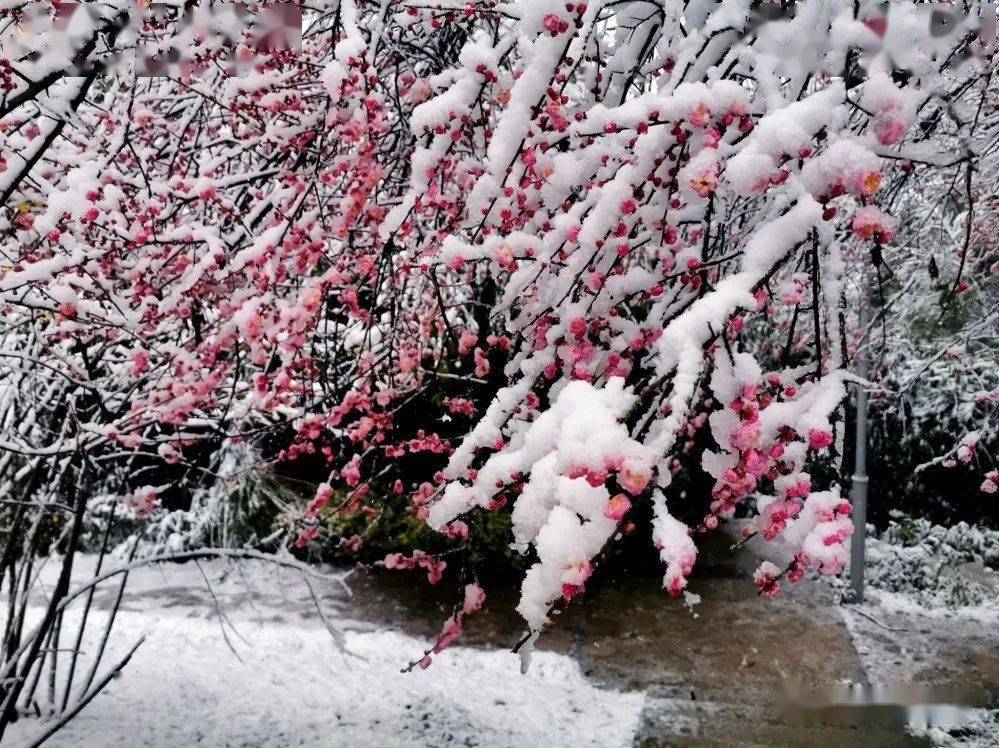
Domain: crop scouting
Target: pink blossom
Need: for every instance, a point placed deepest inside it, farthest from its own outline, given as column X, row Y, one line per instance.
column 481, row 363
column 449, row 634
column 353, row 544
column 306, row 535
column 435, row 571
column 704, row 182
column 322, row 497
column 617, row 507
column 475, row 596
column 819, row 438
column 597, row 477
column 799, row 490
column 765, row 578
column 634, row 476
column 700, row 116
column 467, row 342
column 505, row 257
column 67, row 310
column 869, row 222
column 745, row 437
column 396, row 561
column 578, row 327
column 351, row 472
column 457, row 530
column 144, row 501
column 868, row 183
column 676, row 586
column 555, row 25
column 756, row 463
column 889, row 129
column 140, row 362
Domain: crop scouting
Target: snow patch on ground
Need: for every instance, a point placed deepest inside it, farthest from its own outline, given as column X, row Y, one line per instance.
column 294, row 687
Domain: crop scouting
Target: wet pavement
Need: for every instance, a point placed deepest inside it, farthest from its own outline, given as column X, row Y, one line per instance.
column 721, row 674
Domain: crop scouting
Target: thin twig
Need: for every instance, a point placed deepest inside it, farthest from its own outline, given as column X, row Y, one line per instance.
column 873, row 620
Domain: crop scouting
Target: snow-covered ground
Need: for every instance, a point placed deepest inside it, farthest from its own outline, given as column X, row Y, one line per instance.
column 288, row 683
column 237, row 654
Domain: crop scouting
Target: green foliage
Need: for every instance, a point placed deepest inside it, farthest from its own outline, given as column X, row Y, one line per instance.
column 906, row 531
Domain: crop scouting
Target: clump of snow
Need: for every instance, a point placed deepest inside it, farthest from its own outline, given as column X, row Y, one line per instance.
column 565, row 510
column 784, row 131
column 676, row 548
column 893, row 107
column 980, row 730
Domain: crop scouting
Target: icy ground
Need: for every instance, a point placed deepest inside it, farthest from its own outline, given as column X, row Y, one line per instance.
column 287, row 682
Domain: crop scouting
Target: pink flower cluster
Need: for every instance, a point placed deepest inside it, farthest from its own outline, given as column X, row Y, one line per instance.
column 143, row 501
column 889, row 124
column 473, row 599
column 766, row 579
column 555, row 25
column 617, row 507
column 419, row 559
column 871, row 223
column 754, row 461
column 991, row 483
column 632, row 474
column 574, row 578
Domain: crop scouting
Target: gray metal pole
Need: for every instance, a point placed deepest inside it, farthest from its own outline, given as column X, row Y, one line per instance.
column 858, row 493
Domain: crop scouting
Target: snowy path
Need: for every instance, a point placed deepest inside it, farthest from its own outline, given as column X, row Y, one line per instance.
column 185, row 687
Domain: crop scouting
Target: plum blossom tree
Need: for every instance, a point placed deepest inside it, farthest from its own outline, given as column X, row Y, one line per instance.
column 674, row 203
column 590, row 234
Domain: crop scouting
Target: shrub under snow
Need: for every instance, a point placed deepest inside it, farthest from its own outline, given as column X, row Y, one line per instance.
column 923, row 561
